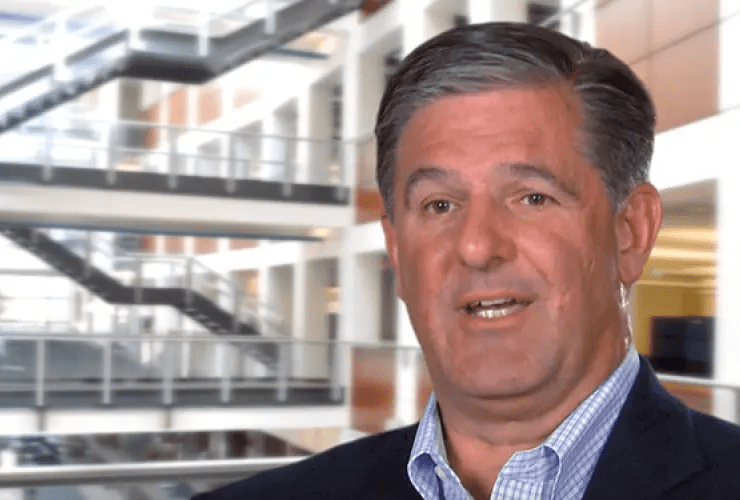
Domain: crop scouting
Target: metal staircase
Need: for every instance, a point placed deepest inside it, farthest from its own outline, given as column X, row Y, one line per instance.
column 79, row 49
column 188, row 301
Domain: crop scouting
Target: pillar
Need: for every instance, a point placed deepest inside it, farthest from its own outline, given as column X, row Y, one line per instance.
column 481, row 11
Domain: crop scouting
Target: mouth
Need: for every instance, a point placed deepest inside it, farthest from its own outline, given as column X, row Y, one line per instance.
column 495, row 308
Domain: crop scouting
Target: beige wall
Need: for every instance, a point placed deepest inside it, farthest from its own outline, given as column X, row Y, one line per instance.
column 209, row 103
column 673, row 47
column 659, row 300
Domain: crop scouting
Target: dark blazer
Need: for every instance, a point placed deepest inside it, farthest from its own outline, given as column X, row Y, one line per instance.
column 657, row 449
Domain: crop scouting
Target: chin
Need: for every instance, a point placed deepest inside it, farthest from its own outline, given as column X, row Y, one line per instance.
column 508, row 373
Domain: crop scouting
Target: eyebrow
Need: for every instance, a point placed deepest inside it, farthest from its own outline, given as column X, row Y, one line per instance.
column 520, row 170
column 424, row 173
column 525, row 170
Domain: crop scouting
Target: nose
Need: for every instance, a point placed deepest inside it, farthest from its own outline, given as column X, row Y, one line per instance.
column 485, row 236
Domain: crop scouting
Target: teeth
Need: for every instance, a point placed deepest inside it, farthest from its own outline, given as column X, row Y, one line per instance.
column 498, row 312
column 498, row 308
column 494, row 303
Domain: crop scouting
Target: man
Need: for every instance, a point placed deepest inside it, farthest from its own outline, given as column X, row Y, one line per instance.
column 513, row 165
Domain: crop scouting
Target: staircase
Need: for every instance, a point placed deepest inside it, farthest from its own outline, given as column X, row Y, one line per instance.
column 189, row 302
column 68, row 54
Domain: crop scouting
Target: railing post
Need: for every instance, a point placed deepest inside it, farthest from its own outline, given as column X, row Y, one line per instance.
column 269, row 17
column 172, row 157
column 225, row 376
column 189, row 281
column 47, row 169
column 40, row 371
column 107, row 371
column 288, row 153
column 114, row 320
column 167, row 374
column 112, row 153
column 335, row 373
column 231, row 179
column 236, row 318
column 133, row 322
column 88, row 253
column 204, row 33
column 138, row 281
column 283, row 370
column 342, row 180
column 60, row 46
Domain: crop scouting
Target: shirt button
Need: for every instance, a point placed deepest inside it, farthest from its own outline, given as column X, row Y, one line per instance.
column 440, row 473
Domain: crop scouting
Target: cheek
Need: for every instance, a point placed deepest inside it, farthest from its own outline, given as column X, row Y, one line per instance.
column 564, row 264
column 425, row 276
column 422, row 265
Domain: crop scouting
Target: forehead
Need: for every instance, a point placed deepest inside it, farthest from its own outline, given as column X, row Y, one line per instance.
column 518, row 109
column 537, row 124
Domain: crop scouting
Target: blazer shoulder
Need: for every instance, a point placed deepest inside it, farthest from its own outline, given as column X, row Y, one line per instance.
column 719, row 439
column 370, row 467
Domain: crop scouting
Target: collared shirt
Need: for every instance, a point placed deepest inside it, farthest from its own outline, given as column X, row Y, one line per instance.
column 558, row 469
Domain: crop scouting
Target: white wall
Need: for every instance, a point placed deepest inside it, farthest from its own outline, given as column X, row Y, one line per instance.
column 178, row 419
column 729, row 62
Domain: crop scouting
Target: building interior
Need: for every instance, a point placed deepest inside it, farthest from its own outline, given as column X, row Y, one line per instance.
column 193, row 275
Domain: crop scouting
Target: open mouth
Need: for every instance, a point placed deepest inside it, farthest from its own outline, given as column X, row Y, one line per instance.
column 498, row 308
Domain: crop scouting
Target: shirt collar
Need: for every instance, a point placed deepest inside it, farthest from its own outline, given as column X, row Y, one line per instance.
column 567, row 457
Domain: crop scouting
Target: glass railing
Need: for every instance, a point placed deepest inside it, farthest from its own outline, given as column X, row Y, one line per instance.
column 181, row 463
column 161, row 480
column 366, row 161
column 142, row 271
column 87, row 44
column 194, row 18
column 190, row 274
column 176, row 151
column 33, row 313
column 57, row 49
column 192, row 369
column 58, row 38
column 43, row 369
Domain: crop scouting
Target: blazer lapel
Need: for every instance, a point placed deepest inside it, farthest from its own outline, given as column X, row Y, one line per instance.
column 651, row 448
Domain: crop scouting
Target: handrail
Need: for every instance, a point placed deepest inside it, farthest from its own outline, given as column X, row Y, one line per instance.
column 59, row 17
column 23, row 477
column 182, row 336
column 240, row 303
column 701, row 382
column 178, row 259
column 187, row 128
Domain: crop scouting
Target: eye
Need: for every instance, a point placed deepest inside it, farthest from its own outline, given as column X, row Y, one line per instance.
column 438, row 206
column 536, row 199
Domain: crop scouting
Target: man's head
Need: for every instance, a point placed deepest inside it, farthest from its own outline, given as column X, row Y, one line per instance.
column 618, row 114
column 513, row 162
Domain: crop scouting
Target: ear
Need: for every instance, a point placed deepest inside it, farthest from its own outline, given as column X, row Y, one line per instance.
column 637, row 225
column 391, row 245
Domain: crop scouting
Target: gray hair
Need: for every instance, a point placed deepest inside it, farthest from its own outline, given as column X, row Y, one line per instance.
column 618, row 115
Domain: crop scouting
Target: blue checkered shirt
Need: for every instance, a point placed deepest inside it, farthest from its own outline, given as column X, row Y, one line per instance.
column 558, row 469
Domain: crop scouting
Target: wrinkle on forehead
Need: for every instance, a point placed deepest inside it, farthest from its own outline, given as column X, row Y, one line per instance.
column 439, row 126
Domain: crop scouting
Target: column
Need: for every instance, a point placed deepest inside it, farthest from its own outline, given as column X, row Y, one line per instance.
column 341, row 377
column 270, row 148
column 413, row 16
column 481, row 11
column 300, row 314
column 406, row 368
column 727, row 320
column 303, row 132
column 729, row 63
column 351, row 114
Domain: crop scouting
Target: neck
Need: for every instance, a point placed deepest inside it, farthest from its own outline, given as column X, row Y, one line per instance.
column 481, row 435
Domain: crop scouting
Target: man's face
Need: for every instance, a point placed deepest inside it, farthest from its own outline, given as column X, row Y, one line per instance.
column 504, row 246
